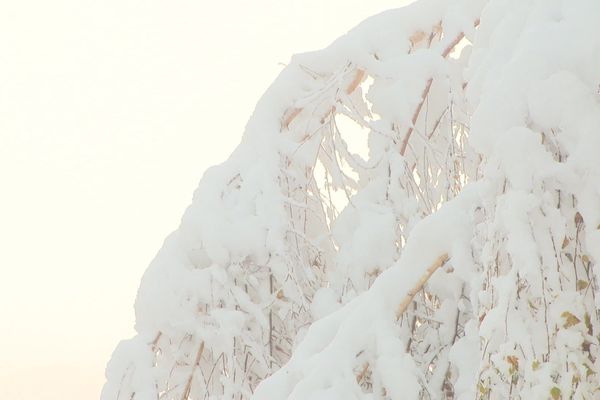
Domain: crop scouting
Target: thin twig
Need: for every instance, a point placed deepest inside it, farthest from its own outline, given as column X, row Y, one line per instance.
column 415, row 116
column 188, row 385
column 289, row 117
column 441, row 260
column 445, row 54
column 293, row 112
column 358, row 78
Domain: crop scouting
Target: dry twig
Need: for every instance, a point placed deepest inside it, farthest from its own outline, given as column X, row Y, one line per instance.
column 188, row 385
column 441, row 260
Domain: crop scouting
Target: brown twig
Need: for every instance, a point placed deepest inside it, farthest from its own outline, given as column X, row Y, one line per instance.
column 188, row 385
column 289, row 117
column 293, row 112
column 155, row 341
column 425, row 93
column 441, row 260
column 358, row 78
column 415, row 116
column 416, row 37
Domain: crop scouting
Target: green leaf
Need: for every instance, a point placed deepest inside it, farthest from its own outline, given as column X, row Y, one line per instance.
column 555, row 393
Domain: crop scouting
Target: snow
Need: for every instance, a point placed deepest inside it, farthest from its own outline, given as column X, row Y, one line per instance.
column 454, row 259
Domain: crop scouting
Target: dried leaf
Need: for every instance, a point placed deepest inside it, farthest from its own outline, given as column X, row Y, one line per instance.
column 289, row 116
column 588, row 324
column 514, row 363
column 416, row 37
column 585, row 258
column 578, row 219
column 533, row 306
column 581, row 284
column 482, row 389
column 585, row 346
column 570, row 319
column 566, row 242
column 569, row 256
column 589, row 372
column 535, row 365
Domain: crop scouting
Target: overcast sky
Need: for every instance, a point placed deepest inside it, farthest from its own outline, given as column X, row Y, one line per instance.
column 110, row 111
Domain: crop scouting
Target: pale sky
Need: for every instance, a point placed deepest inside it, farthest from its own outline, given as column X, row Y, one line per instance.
column 110, row 111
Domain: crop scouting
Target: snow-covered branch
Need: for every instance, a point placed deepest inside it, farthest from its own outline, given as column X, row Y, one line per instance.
column 413, row 212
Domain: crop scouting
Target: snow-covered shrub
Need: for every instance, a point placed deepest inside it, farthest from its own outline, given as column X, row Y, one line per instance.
column 413, row 213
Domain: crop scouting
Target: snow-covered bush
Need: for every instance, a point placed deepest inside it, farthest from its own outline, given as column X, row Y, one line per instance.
column 413, row 213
